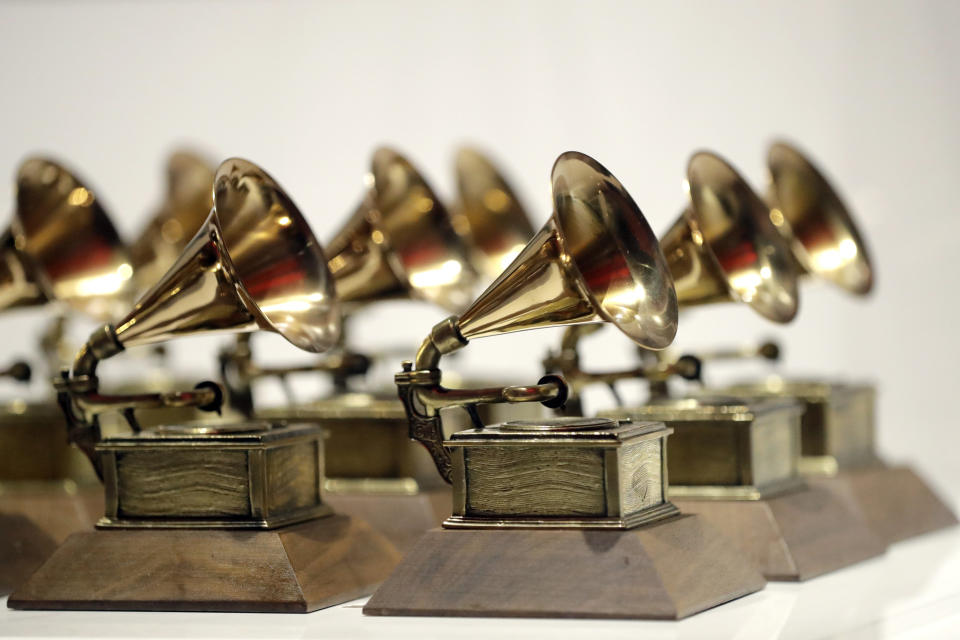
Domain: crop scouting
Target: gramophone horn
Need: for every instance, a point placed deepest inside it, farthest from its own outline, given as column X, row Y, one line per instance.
column 186, row 205
column 596, row 259
column 62, row 227
column 400, row 243
column 724, row 246
column 812, row 218
column 488, row 214
column 253, row 264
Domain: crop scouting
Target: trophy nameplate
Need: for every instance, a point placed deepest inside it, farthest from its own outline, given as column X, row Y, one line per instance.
column 837, row 427
column 735, row 463
column 578, row 473
column 726, row 449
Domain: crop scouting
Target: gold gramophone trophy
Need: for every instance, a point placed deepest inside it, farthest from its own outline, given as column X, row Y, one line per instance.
column 400, row 243
column 735, row 461
column 560, row 517
column 62, row 252
column 213, row 516
column 185, row 207
column 838, row 433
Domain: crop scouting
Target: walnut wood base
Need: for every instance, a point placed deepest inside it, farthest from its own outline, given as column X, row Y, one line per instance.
column 793, row 536
column 668, row 570
column 896, row 503
column 35, row 519
column 401, row 519
column 297, row 569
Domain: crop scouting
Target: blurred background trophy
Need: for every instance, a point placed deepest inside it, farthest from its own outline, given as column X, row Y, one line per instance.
column 400, row 243
column 735, row 461
column 60, row 252
column 547, row 513
column 213, row 516
column 838, row 449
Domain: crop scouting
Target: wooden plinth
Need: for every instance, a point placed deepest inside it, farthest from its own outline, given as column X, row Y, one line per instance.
column 401, row 519
column 668, row 570
column 896, row 503
column 35, row 519
column 298, row 568
column 793, row 536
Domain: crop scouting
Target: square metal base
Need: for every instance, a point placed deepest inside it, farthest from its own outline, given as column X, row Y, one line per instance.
column 667, row 570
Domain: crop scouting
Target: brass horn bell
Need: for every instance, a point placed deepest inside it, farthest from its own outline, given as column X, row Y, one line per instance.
column 724, row 246
column 488, row 214
column 254, row 264
column 596, row 259
column 813, row 219
column 62, row 246
column 186, row 205
column 400, row 242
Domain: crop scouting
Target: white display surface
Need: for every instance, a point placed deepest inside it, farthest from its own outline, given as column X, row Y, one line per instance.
column 913, row 592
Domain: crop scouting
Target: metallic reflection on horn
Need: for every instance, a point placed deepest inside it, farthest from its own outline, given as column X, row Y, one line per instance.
column 595, row 260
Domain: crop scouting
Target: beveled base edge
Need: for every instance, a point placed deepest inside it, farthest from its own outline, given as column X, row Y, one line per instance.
column 795, row 536
column 666, row 571
column 647, row 516
column 739, row 492
column 895, row 501
column 320, row 511
column 295, row 569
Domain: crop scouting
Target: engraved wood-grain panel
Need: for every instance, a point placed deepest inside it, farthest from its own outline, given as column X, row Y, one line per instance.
column 293, row 479
column 201, row 483
column 535, row 481
column 641, row 476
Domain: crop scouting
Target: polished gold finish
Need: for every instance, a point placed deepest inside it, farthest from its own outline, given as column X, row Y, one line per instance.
column 578, row 472
column 400, row 242
column 488, row 214
column 725, row 448
column 253, row 264
column 186, row 205
column 596, row 259
column 724, row 246
column 806, row 210
column 72, row 245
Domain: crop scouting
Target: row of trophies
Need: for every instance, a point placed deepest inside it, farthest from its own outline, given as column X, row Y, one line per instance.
column 215, row 503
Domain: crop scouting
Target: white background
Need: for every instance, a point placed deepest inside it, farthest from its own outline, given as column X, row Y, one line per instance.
column 309, row 89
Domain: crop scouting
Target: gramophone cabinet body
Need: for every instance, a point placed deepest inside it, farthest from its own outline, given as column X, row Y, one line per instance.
column 602, row 474
column 727, row 449
column 838, row 423
column 247, row 479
